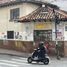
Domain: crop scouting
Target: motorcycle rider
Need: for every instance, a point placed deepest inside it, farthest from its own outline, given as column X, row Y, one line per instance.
column 42, row 51
column 39, row 55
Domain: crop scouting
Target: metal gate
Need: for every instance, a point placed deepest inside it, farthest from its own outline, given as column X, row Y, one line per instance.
column 42, row 35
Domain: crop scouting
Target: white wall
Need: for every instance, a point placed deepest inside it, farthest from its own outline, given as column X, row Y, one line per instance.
column 60, row 31
column 28, row 31
column 65, row 32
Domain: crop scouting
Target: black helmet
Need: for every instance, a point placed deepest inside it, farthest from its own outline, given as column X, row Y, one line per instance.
column 41, row 44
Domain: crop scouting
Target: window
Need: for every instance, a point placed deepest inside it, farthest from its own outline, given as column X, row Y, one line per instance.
column 14, row 13
column 65, row 28
column 10, row 34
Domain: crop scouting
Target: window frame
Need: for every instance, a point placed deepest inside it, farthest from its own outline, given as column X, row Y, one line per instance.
column 9, row 35
column 65, row 28
column 14, row 13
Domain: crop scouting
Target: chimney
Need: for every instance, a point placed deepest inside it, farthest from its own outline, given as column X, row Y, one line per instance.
column 43, row 5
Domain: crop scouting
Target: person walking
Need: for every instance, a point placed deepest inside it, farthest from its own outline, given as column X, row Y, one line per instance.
column 58, row 50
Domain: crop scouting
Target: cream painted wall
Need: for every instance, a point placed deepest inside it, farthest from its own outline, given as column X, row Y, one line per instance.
column 7, row 25
column 3, row 19
column 60, row 30
column 25, row 9
column 65, row 32
column 28, row 31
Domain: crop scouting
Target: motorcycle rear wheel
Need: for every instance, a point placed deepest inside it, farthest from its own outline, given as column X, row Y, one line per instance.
column 46, row 61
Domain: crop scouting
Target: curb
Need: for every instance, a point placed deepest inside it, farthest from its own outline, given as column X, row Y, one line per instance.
column 14, row 53
column 9, row 54
column 24, row 55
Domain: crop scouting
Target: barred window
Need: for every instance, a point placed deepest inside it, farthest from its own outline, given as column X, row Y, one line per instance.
column 14, row 13
column 65, row 28
column 10, row 34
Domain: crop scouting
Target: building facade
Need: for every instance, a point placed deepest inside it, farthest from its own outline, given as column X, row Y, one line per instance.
column 24, row 24
column 43, row 22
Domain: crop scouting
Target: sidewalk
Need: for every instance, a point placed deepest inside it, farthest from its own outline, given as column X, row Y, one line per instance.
column 13, row 53
column 19, row 54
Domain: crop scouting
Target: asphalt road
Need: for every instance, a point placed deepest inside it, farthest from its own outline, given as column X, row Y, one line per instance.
column 14, row 61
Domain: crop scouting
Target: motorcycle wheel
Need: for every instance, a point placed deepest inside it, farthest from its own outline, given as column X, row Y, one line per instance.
column 46, row 61
column 29, row 60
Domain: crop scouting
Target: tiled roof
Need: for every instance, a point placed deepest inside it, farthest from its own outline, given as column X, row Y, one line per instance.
column 4, row 3
column 44, row 13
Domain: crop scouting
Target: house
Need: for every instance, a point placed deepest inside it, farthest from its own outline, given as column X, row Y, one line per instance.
column 24, row 23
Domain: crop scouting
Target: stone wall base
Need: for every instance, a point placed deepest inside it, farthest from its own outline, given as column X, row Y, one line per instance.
column 23, row 46
column 65, row 48
column 28, row 46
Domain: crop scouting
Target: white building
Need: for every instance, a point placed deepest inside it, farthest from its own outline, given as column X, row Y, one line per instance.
column 35, row 20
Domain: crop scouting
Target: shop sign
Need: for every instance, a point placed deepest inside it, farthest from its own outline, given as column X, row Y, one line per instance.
column 40, row 26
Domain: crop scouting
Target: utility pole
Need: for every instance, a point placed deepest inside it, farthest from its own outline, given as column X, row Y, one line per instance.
column 56, row 23
column 56, row 20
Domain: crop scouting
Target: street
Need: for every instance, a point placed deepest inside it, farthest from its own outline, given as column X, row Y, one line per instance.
column 14, row 61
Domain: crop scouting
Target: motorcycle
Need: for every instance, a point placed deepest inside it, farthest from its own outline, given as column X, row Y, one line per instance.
column 34, row 57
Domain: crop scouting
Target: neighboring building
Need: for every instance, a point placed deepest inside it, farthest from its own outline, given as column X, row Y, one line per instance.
column 23, row 23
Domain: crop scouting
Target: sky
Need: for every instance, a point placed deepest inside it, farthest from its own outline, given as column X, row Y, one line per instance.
column 62, row 4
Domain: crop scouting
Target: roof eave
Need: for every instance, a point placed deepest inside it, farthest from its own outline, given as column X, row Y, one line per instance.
column 28, row 20
column 19, row 2
column 26, row 1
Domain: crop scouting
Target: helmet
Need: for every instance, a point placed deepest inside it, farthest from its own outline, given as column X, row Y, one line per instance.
column 41, row 44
